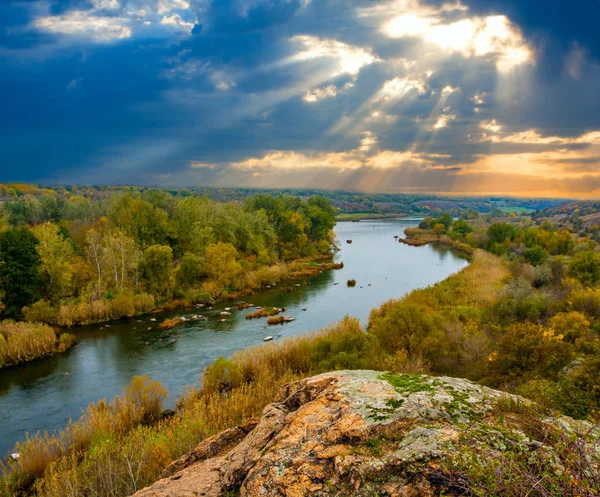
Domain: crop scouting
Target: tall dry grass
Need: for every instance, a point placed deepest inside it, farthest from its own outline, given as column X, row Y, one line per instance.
column 22, row 342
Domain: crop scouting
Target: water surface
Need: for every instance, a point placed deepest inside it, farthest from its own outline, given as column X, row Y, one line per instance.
column 44, row 394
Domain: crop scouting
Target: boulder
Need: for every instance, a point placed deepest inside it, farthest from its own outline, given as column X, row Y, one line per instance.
column 367, row 433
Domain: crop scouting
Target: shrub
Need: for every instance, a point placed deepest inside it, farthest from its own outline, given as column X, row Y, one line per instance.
column 123, row 304
column 41, row 312
column 221, row 376
column 351, row 283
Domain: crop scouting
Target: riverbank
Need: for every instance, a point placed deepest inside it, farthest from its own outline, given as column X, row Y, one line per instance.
column 417, row 237
column 21, row 342
column 358, row 216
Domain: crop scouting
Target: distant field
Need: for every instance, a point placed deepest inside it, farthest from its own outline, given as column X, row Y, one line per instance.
column 516, row 210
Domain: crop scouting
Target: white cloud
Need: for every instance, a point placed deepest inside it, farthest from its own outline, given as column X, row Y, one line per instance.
column 349, row 59
column 471, row 36
column 397, row 88
column 176, row 21
column 112, row 20
column 317, row 94
column 443, row 120
column 166, row 6
column 86, row 25
column 106, row 4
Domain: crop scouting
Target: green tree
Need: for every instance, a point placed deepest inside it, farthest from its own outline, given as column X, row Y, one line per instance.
column 461, row 227
column 156, row 268
column 535, row 255
column 140, row 220
column 191, row 271
column 585, row 267
column 20, row 277
column 445, row 219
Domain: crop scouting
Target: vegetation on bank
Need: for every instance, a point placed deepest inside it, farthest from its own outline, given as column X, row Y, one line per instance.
column 22, row 342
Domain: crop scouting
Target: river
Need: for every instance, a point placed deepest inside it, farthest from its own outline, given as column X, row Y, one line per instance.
column 45, row 394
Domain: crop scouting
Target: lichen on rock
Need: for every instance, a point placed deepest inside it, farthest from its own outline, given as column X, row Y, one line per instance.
column 364, row 433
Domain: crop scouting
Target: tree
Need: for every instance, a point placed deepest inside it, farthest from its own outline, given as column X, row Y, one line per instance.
column 156, row 268
column 445, row 219
column 114, row 256
column 585, row 267
column 322, row 218
column 501, row 232
column 461, row 227
column 191, row 271
column 535, row 255
column 20, row 277
column 58, row 261
column 413, row 328
column 439, row 229
column 140, row 220
column 529, row 350
column 221, row 263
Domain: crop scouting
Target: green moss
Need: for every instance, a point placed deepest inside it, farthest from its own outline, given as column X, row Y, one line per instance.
column 406, row 384
column 383, row 413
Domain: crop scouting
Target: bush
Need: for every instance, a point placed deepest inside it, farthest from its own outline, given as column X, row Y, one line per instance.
column 123, row 304
column 41, row 312
column 351, row 283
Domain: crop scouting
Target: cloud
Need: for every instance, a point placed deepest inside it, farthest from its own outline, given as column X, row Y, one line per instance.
column 403, row 95
column 114, row 20
column 320, row 93
column 86, row 25
column 74, row 83
column 176, row 21
column 452, row 28
column 347, row 59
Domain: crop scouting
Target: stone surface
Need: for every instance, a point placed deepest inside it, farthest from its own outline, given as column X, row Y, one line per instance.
column 348, row 433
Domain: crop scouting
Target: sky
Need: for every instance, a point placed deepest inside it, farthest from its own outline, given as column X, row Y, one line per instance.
column 414, row 96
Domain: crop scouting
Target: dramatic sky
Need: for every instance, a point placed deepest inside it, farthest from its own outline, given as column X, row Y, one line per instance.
column 483, row 96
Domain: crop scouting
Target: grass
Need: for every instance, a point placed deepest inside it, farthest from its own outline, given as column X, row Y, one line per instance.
column 263, row 313
column 21, row 342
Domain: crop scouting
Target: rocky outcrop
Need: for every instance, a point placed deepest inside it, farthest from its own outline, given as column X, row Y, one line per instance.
column 362, row 433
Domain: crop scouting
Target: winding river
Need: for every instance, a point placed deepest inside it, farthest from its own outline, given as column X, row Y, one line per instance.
column 44, row 394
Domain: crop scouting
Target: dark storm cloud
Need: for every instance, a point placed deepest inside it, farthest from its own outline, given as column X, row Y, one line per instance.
column 138, row 91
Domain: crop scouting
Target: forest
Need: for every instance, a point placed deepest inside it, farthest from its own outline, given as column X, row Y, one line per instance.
column 86, row 259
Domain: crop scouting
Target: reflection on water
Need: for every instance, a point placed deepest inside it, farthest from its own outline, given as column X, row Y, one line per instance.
column 44, row 394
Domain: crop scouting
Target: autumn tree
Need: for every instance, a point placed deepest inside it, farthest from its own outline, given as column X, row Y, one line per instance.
column 58, row 262
column 221, row 263
column 140, row 220
column 585, row 267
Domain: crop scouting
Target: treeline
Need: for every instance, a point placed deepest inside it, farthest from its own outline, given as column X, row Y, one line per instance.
column 149, row 249
column 32, row 204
